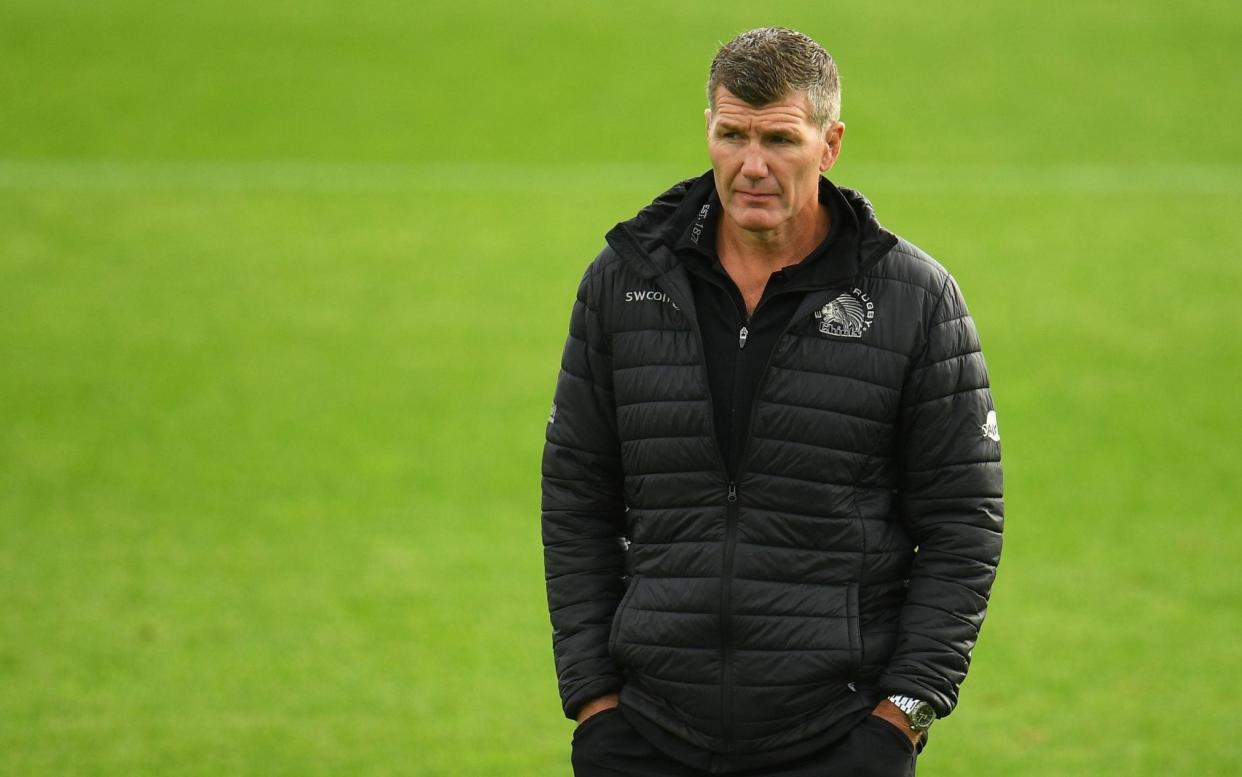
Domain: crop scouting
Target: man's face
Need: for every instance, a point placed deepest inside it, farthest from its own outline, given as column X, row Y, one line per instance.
column 767, row 160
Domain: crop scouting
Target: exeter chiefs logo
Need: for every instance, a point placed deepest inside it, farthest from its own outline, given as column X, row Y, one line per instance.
column 849, row 315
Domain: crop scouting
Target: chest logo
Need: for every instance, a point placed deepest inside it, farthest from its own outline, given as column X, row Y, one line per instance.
column 645, row 295
column 849, row 315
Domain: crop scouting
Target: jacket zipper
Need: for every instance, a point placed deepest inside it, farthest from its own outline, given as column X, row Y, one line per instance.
column 726, row 607
column 726, row 576
column 731, row 519
column 726, row 618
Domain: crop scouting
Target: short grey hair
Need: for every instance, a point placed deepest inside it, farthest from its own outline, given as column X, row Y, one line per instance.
column 770, row 63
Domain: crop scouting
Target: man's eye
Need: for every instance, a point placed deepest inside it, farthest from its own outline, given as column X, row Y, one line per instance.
column 780, row 139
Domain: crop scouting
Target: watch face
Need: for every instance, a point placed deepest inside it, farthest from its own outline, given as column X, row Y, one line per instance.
column 922, row 716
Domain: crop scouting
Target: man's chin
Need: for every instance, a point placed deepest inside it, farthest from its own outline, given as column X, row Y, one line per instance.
column 756, row 219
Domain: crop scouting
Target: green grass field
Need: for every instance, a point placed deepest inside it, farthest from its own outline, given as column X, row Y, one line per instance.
column 283, row 288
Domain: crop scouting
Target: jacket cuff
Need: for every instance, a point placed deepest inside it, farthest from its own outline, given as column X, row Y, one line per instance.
column 890, row 684
column 572, row 702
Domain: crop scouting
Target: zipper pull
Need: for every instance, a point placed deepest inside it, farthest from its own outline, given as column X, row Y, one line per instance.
column 732, row 493
column 741, row 337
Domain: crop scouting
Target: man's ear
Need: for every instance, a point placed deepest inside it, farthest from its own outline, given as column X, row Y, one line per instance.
column 707, row 119
column 833, row 135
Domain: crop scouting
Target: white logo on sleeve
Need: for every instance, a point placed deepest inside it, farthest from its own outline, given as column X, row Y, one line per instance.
column 989, row 427
column 552, row 415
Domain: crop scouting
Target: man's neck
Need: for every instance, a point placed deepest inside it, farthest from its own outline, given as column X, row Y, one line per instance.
column 750, row 258
column 762, row 253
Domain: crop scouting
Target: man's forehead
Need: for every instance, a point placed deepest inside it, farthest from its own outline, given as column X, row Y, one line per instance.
column 793, row 108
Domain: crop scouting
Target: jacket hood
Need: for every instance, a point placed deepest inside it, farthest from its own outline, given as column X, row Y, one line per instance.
column 647, row 239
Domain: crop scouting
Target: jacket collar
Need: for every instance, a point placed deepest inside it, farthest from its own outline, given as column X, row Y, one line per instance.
column 650, row 239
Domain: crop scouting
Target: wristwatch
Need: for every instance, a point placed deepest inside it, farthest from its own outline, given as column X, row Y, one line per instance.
column 918, row 712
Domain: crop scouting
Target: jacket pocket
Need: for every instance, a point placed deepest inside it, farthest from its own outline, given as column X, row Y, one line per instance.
column 853, row 626
column 614, row 635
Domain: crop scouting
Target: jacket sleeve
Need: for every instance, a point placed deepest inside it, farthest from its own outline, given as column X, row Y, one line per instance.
column 951, row 503
column 583, row 510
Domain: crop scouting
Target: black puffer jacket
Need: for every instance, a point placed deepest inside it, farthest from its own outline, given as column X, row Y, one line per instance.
column 737, row 615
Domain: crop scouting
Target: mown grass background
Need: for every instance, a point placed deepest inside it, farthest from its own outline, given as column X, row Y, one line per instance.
column 283, row 288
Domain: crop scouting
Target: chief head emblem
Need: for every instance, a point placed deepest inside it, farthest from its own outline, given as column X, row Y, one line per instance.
column 849, row 315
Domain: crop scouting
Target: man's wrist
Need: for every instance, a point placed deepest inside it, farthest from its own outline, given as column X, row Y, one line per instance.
column 598, row 704
column 893, row 714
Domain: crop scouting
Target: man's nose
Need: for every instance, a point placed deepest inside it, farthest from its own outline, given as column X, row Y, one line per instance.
column 754, row 165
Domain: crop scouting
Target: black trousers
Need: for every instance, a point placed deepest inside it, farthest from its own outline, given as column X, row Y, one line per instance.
column 605, row 745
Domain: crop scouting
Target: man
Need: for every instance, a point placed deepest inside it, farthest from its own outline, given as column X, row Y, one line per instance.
column 771, row 485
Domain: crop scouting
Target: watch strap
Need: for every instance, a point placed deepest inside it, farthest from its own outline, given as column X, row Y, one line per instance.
column 918, row 712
